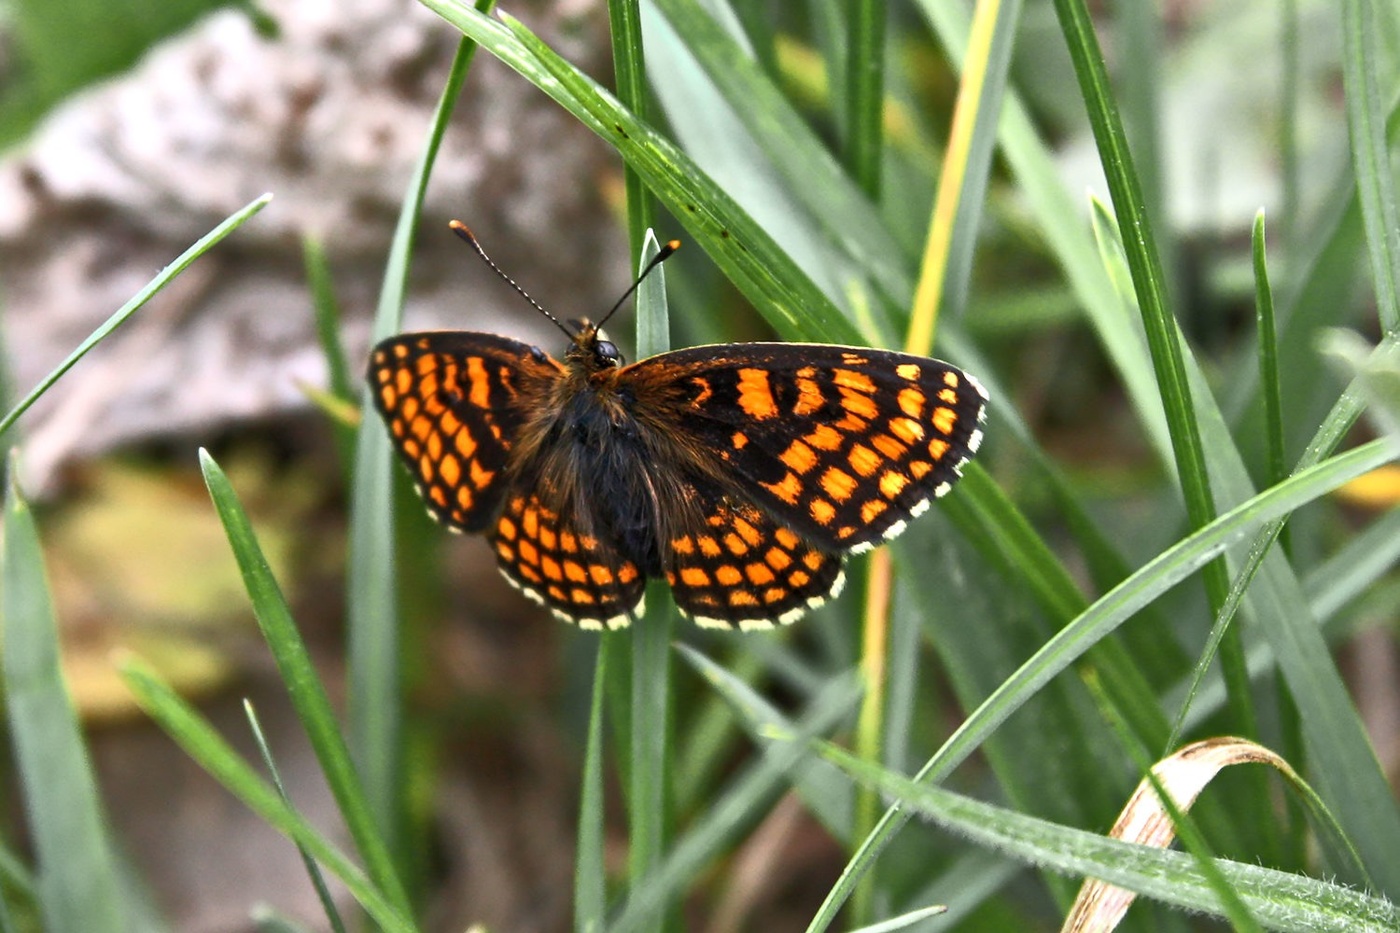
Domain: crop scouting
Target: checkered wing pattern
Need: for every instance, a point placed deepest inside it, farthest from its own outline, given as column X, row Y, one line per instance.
column 454, row 403
column 842, row 444
column 579, row 577
column 744, row 569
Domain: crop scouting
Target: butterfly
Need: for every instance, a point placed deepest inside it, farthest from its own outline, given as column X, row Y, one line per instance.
column 742, row 473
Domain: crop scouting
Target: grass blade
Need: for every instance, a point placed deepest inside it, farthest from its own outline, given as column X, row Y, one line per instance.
column 307, row 693
column 181, row 263
column 77, row 869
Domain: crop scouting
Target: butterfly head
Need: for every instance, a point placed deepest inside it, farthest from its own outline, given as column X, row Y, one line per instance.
column 592, row 348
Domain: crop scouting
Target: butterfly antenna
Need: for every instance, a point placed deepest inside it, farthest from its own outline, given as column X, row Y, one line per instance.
column 662, row 255
column 461, row 230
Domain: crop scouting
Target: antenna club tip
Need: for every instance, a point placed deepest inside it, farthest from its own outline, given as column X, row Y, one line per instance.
column 673, row 245
column 461, row 229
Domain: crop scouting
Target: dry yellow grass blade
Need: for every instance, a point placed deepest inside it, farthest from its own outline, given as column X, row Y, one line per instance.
column 1184, row 774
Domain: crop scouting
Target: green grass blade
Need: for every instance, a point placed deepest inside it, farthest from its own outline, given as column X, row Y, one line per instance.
column 372, row 610
column 77, row 871
column 327, row 314
column 1156, row 577
column 313, row 871
column 1375, row 176
column 1268, row 359
column 203, row 744
column 652, row 720
column 181, row 263
column 590, row 867
column 1280, row 900
column 865, row 93
column 629, row 75
column 304, row 686
column 741, row 249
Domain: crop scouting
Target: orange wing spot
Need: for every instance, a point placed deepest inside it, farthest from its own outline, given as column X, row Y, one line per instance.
column 775, row 594
column 480, row 478
column 403, row 381
column 838, row 484
column 812, row 560
column 670, row 578
column 857, row 404
column 448, row 423
column 728, row 575
column 888, row 446
column 854, row 359
column 945, row 419
column 421, row 428
column 937, row 449
column 529, row 553
column 787, row 538
column 428, row 386
column 822, row 512
column 588, row 542
column 908, row 371
column 799, row 579
column 950, row 379
column 739, row 439
column 703, row 396
column 948, row 395
column 756, row 395
column 919, row 469
column 872, row 510
column 851, row 424
column 479, row 392
column 735, row 544
column 425, row 468
column 464, row 497
column 626, row 574
column 911, row 401
column 850, row 379
column 789, row 488
column 601, row 575
column 695, row 576
column 411, row 446
column 825, row 437
column 581, row 597
column 863, row 460
column 530, row 521
column 397, row 427
column 495, row 430
column 574, row 572
column 465, row 444
column 892, row 484
column 759, row 574
column 551, row 568
column 568, row 543
column 505, row 552
column 506, row 528
column 401, row 351
column 426, row 364
column 438, row 496
column 747, row 531
column 556, row 593
column 435, row 445
column 410, row 408
column 845, row 532
column 548, row 539
column 778, row 559
column 809, row 395
column 683, row 545
column 708, row 545
column 799, row 457
column 742, row 598
column 388, row 397
column 907, row 430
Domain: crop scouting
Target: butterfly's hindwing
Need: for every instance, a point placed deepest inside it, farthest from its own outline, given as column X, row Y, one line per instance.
column 454, row 403
column 842, row 443
column 739, row 568
column 578, row 576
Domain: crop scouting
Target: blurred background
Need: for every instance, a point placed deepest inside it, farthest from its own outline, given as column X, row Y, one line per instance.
column 129, row 128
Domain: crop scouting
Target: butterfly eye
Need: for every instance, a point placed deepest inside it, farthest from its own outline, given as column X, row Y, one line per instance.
column 608, row 352
column 537, row 355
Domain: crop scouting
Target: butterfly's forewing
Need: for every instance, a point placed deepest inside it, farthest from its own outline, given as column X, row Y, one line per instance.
column 454, row 403
column 844, row 444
